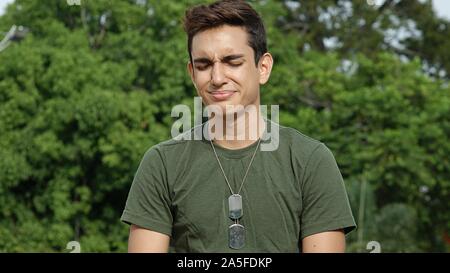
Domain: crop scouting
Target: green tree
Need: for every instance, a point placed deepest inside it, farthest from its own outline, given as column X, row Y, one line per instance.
column 407, row 28
column 91, row 88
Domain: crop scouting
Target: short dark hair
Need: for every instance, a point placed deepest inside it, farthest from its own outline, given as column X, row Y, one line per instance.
column 227, row 12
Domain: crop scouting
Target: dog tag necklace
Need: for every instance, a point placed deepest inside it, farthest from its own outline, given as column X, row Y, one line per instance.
column 236, row 231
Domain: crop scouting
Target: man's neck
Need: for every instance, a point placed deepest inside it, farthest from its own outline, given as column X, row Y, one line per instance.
column 240, row 131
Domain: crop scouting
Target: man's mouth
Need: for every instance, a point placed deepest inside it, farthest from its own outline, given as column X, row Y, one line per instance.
column 221, row 94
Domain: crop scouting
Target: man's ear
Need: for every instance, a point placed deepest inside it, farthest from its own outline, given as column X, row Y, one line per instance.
column 265, row 67
column 190, row 69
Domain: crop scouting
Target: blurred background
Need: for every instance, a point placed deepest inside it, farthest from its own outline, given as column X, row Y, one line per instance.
column 86, row 87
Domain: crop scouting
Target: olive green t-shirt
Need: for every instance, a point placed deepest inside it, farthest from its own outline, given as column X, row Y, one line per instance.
column 292, row 192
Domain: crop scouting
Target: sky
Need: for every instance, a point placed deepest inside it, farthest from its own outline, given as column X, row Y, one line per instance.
column 442, row 7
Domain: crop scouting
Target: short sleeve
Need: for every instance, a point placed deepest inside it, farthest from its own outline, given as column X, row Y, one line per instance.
column 148, row 204
column 325, row 204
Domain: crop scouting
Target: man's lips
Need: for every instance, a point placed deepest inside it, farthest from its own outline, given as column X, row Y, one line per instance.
column 221, row 94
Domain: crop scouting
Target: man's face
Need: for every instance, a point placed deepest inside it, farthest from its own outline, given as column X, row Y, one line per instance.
column 223, row 68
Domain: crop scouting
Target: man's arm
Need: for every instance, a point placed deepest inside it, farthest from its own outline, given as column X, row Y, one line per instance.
column 330, row 241
column 144, row 240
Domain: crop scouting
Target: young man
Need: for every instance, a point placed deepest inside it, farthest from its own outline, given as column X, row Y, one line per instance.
column 223, row 193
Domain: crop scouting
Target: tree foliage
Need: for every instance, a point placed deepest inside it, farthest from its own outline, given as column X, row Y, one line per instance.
column 91, row 88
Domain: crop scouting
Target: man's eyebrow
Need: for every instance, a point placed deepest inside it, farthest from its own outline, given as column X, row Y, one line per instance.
column 202, row 60
column 232, row 57
column 224, row 59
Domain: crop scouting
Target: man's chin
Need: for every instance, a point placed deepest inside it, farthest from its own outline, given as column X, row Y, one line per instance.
column 219, row 109
column 227, row 108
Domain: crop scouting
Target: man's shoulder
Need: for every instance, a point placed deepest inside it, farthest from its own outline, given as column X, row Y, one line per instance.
column 305, row 148
column 176, row 145
column 297, row 139
column 301, row 146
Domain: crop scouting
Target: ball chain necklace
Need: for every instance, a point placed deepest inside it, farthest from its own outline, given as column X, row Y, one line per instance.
column 236, row 231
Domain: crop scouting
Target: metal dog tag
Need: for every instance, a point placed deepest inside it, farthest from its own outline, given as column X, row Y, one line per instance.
column 237, row 236
column 235, row 206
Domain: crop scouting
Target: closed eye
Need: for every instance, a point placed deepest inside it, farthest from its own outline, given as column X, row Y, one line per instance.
column 202, row 67
column 202, row 63
column 235, row 64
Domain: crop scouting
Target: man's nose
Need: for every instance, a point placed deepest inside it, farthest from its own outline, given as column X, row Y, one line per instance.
column 218, row 77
